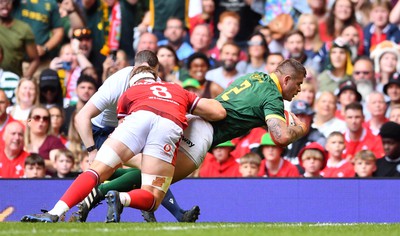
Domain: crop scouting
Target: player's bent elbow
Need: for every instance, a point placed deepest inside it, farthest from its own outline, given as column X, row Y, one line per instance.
column 210, row 110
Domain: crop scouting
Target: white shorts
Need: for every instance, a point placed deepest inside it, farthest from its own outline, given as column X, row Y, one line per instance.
column 197, row 139
column 150, row 134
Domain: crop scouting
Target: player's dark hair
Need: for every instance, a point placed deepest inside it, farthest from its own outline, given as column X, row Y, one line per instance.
column 146, row 56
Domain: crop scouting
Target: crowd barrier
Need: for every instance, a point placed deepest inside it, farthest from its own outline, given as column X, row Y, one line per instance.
column 235, row 200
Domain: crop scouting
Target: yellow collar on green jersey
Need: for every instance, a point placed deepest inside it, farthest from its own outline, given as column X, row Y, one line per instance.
column 276, row 81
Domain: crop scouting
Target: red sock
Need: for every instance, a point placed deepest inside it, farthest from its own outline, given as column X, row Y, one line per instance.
column 80, row 188
column 142, row 199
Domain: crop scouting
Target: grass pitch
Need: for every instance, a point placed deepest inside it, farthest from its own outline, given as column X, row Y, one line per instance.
column 196, row 229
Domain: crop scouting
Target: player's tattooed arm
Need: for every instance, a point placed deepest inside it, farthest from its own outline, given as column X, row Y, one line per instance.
column 282, row 134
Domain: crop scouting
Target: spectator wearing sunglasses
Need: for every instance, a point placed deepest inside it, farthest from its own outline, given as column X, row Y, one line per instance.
column 38, row 138
column 83, row 43
column 363, row 76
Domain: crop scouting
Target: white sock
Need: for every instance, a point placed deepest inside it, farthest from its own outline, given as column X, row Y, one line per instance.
column 59, row 209
column 125, row 199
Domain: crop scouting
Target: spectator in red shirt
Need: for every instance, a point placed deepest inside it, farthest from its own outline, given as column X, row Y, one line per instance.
column 377, row 108
column 228, row 25
column 206, row 16
column 380, row 29
column 357, row 137
column 341, row 15
column 220, row 163
column 273, row 165
column 313, row 159
column 12, row 157
column 336, row 166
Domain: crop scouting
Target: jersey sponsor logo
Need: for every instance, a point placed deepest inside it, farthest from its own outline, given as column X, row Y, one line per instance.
column 158, row 182
column 36, row 16
column 188, row 142
column 167, row 148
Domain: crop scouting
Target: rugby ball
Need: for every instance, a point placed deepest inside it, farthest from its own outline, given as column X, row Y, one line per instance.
column 289, row 119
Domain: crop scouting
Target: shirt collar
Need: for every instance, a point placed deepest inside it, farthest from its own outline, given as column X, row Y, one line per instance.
column 276, row 81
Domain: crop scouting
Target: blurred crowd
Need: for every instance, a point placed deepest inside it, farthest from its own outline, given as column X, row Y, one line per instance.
column 55, row 54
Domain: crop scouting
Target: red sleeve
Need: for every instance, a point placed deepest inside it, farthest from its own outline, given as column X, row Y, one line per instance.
column 193, row 101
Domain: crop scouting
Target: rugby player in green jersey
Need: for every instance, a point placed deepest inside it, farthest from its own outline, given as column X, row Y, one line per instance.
column 251, row 101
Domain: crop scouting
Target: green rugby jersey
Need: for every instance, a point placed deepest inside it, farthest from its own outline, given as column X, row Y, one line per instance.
column 249, row 101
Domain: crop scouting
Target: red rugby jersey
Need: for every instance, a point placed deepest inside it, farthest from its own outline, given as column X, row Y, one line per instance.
column 168, row 100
